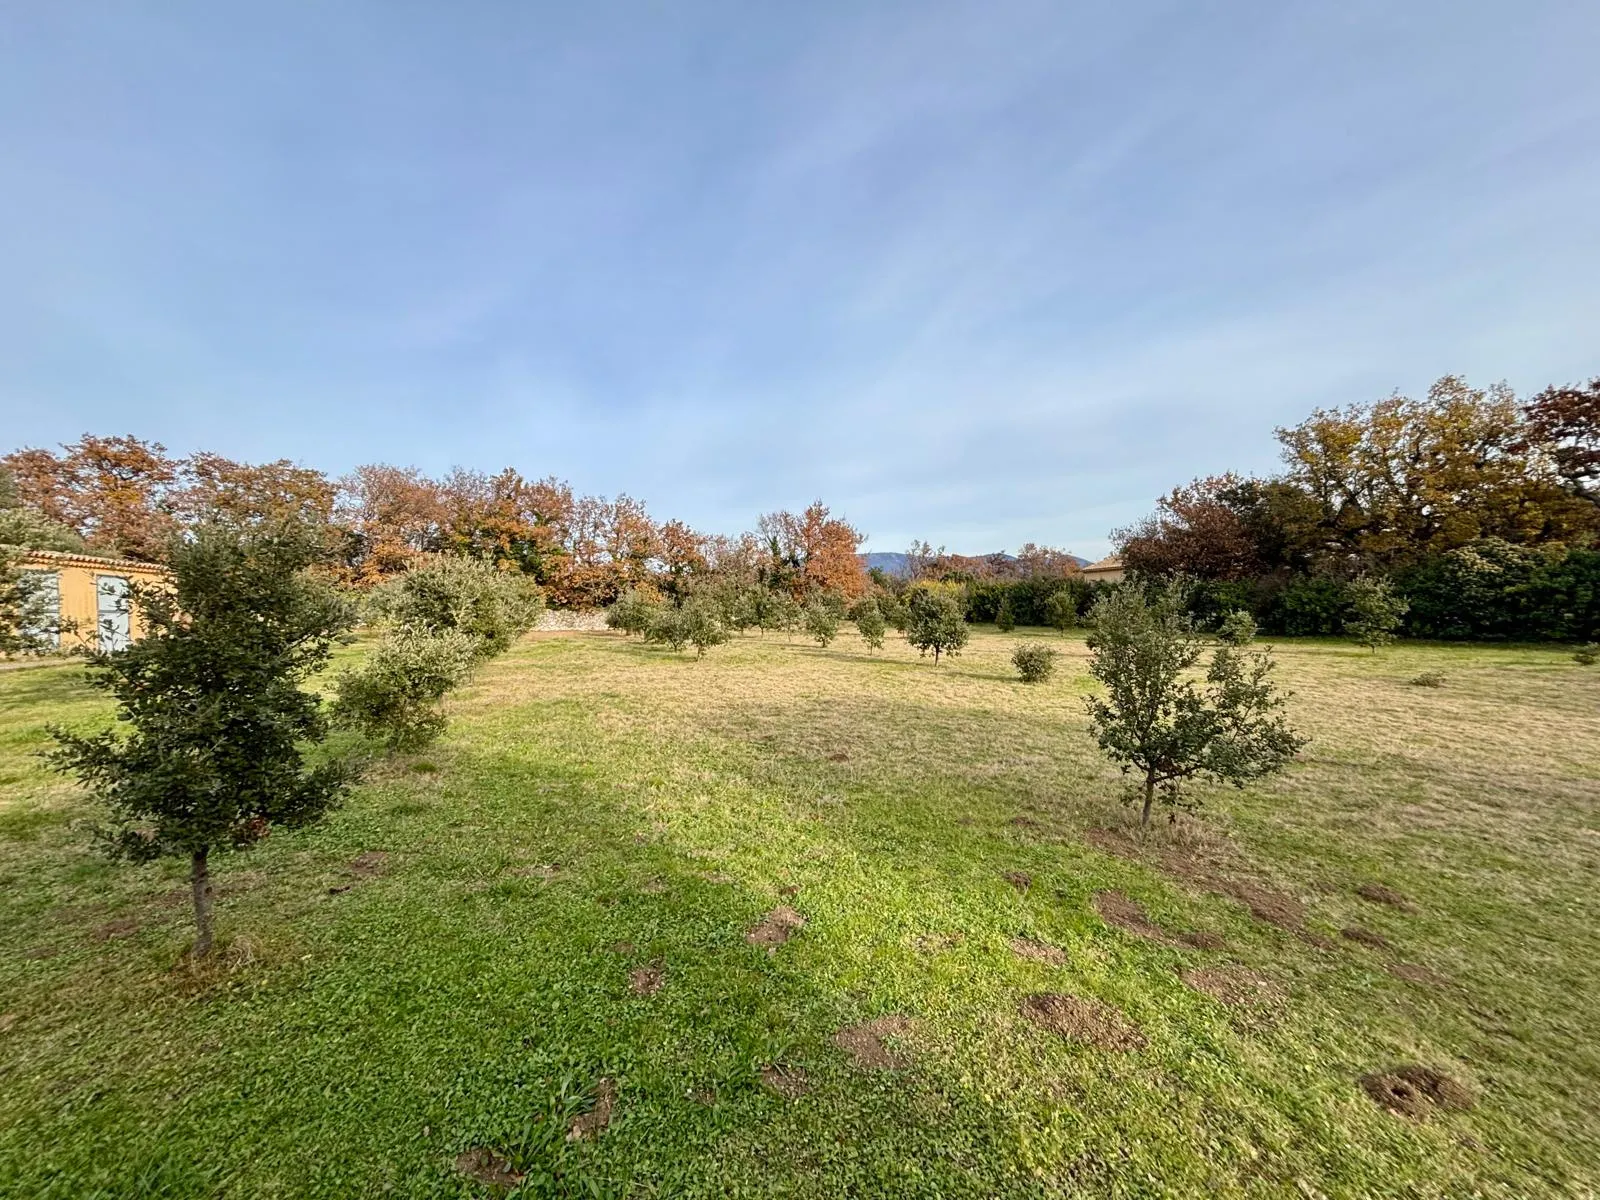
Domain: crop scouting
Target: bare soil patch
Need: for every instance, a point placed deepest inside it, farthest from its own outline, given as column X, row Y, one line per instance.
column 369, row 863
column 646, row 981
column 1039, row 952
column 622, row 947
column 1378, row 893
column 1265, row 904
column 775, row 928
column 1416, row 973
column 488, row 1168
column 1416, row 1091
column 935, row 943
column 1203, row 939
column 788, row 1082
column 789, row 889
column 1365, row 937
column 121, row 927
column 1081, row 1020
column 1232, row 984
column 865, row 1043
column 1020, row 880
column 653, row 887
column 590, row 1124
column 1128, row 914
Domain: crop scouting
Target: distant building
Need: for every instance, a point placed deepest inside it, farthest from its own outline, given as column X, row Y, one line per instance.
column 81, row 601
column 1108, row 570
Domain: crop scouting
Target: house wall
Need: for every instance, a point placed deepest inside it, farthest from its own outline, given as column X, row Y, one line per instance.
column 78, row 579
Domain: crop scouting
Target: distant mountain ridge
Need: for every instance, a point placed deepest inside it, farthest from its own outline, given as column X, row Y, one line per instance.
column 892, row 563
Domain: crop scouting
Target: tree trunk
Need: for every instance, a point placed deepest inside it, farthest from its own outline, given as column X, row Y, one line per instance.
column 936, row 656
column 1149, row 799
column 200, row 881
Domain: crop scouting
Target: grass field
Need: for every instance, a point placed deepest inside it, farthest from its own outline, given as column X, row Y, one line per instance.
column 542, row 929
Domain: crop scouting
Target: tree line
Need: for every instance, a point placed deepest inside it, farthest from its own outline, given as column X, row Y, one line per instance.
column 129, row 498
column 1481, row 513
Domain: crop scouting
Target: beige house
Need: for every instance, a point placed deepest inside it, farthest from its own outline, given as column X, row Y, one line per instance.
column 1108, row 570
column 82, row 601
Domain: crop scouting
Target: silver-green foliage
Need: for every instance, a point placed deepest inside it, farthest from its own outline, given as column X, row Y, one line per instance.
column 491, row 606
column 1375, row 611
column 1157, row 721
column 396, row 695
column 822, row 620
column 1238, row 628
column 870, row 623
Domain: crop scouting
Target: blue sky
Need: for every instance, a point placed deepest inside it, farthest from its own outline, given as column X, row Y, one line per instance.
column 981, row 273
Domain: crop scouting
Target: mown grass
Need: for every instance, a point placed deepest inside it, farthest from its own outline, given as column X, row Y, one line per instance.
column 599, row 806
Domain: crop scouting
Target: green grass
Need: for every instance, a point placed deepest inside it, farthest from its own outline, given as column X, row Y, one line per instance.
column 353, row 1042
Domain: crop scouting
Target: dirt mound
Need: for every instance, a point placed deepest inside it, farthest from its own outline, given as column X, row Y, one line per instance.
column 1087, row 1021
column 1128, row 915
column 1265, row 904
column 488, row 1168
column 789, row 890
column 1203, row 940
column 1234, row 985
column 775, row 928
column 646, row 981
column 865, row 1044
column 1415, row 973
column 589, row 1124
column 1413, row 1091
column 788, row 1082
column 121, row 927
column 1377, row 893
column 1038, row 952
column 1366, row 937
column 1020, row 880
column 369, row 863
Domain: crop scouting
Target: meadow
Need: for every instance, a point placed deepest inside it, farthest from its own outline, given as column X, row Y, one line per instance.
column 792, row 921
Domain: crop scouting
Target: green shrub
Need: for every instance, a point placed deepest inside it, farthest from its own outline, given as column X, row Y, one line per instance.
column 1061, row 610
column 1035, row 663
column 667, row 627
column 631, row 612
column 1375, row 611
column 395, row 696
column 822, row 621
column 1587, row 655
column 702, row 622
column 934, row 622
column 491, row 606
column 1005, row 620
column 1429, row 679
column 1238, row 628
column 870, row 623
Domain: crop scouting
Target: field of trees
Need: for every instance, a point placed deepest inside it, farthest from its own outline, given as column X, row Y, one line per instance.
column 978, row 879
column 571, row 916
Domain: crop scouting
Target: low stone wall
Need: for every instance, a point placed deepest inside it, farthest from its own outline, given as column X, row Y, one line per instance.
column 562, row 620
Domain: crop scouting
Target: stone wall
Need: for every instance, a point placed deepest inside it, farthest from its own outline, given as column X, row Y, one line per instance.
column 562, row 620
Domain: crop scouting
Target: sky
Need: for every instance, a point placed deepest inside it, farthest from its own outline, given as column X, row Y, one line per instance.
column 980, row 273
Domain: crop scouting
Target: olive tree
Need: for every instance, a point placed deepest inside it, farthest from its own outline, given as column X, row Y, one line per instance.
column 213, row 725
column 1158, row 721
column 870, row 623
column 492, row 606
column 934, row 621
column 1375, row 611
column 822, row 620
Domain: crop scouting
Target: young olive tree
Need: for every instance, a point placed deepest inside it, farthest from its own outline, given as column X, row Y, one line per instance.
column 1238, row 628
column 491, row 606
column 822, row 620
column 213, row 726
column 1375, row 611
column 870, row 623
column 934, row 621
column 630, row 614
column 397, row 693
column 702, row 624
column 1158, row 722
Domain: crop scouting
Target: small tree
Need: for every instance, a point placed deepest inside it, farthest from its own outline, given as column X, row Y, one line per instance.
column 934, row 622
column 217, row 722
column 1062, row 609
column 396, row 694
column 870, row 623
column 630, row 614
column 703, row 624
column 1238, row 628
column 1035, row 663
column 668, row 626
column 780, row 611
column 491, row 606
column 1375, row 611
column 1157, row 721
column 822, row 621
column 1005, row 620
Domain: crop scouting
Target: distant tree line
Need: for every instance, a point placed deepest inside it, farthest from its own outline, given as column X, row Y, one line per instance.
column 1482, row 513
column 126, row 497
